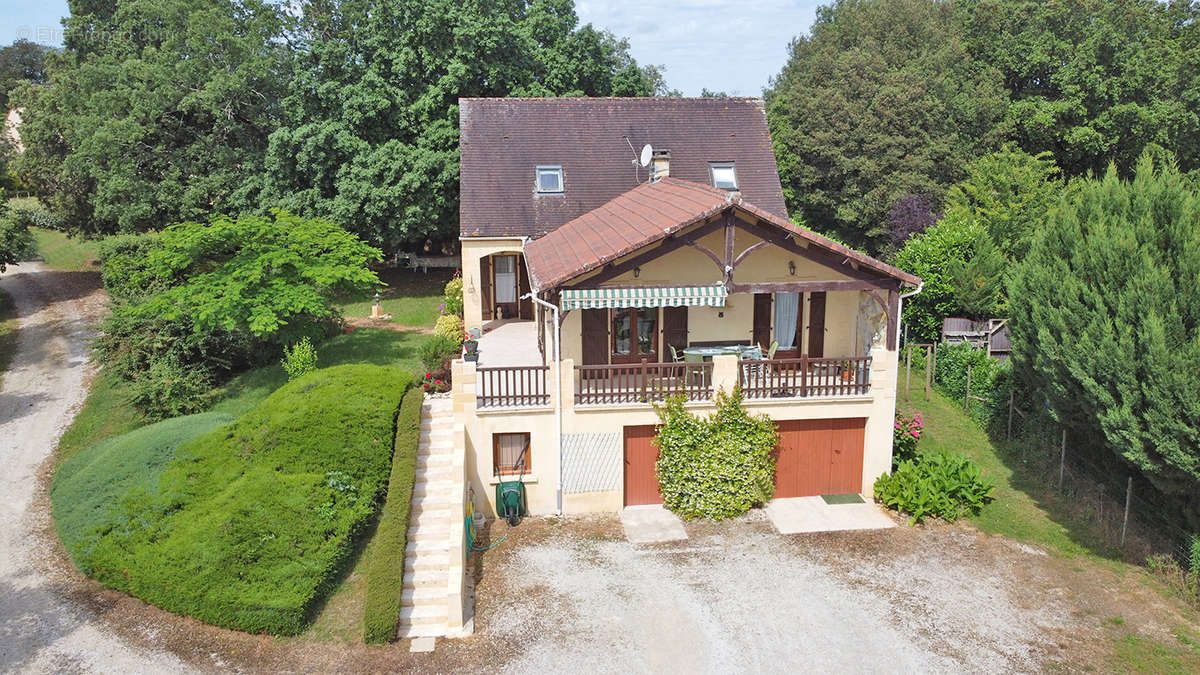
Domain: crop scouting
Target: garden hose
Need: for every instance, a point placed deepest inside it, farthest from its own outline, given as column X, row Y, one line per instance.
column 490, row 546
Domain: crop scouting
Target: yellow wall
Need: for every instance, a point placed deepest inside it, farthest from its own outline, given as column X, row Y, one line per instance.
column 472, row 251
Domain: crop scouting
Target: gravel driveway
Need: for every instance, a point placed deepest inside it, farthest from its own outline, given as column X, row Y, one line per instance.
column 41, row 628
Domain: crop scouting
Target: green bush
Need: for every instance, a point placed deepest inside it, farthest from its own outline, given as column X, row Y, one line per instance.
column 450, row 327
column 16, row 241
column 300, row 359
column 251, row 523
column 385, row 554
column 92, row 488
column 942, row 485
column 31, row 212
column 123, row 266
column 452, row 296
column 990, row 380
column 715, row 467
column 435, row 351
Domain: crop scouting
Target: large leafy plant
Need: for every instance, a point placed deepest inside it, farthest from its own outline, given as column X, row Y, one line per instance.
column 944, row 485
column 717, row 466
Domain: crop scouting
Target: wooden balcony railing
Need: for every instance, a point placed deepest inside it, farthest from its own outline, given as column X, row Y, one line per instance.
column 642, row 382
column 512, row 387
column 805, row 377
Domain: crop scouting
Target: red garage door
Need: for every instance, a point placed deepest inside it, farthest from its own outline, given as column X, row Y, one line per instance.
column 641, row 479
column 819, row 457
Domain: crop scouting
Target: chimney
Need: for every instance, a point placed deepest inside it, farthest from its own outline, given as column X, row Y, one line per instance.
column 660, row 165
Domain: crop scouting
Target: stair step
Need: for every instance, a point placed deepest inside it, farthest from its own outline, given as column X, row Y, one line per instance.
column 425, row 578
column 430, row 517
column 431, row 503
column 425, row 595
column 438, row 472
column 428, row 560
column 435, row 448
column 435, row 533
column 435, row 461
column 422, row 546
column 407, row 632
column 436, row 488
column 423, row 614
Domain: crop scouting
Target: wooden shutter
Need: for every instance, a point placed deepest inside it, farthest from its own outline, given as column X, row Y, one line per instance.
column 675, row 329
column 485, row 287
column 816, row 325
column 525, row 311
column 595, row 336
column 762, row 319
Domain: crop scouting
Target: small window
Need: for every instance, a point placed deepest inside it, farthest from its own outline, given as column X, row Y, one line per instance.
column 549, row 179
column 509, row 452
column 723, row 175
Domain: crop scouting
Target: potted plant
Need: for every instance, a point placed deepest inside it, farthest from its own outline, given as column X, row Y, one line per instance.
column 847, row 373
column 471, row 350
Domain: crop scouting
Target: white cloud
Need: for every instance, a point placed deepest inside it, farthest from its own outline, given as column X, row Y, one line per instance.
column 734, row 47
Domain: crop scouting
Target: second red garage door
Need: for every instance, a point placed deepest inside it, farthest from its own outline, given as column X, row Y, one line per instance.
column 819, row 457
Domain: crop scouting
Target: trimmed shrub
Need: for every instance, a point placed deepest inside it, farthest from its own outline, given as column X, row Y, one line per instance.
column 990, row 380
column 452, row 296
column 946, row 486
column 300, row 359
column 715, row 467
column 450, row 326
column 385, row 553
column 93, row 489
column 251, row 523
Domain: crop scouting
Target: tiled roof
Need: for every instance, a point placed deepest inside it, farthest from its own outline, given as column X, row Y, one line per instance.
column 503, row 139
column 651, row 212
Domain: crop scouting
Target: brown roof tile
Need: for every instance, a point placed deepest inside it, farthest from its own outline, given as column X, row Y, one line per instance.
column 503, row 139
column 648, row 213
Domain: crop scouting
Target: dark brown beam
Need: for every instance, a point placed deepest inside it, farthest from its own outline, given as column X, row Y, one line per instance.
column 705, row 250
column 893, row 324
column 803, row 286
column 727, row 267
column 742, row 256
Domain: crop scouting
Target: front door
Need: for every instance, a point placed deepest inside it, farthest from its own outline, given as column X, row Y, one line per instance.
column 641, row 476
column 504, row 286
column 634, row 335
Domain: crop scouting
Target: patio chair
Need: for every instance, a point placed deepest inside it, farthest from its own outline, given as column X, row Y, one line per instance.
column 675, row 356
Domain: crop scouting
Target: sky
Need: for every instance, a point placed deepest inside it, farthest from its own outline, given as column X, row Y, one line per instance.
column 684, row 36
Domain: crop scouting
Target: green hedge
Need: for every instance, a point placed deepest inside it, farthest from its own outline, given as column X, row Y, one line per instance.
column 251, row 523
column 91, row 487
column 385, row 554
column 990, row 380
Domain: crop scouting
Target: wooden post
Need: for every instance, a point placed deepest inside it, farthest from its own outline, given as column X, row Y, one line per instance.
column 928, row 370
column 967, row 399
column 907, row 367
column 644, row 380
column 933, row 364
column 1125, row 522
column 1062, row 460
column 1008, row 436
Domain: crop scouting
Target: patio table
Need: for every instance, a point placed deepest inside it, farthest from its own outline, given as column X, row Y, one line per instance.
column 707, row 353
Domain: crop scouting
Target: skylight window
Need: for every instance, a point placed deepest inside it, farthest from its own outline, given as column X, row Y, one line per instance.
column 549, row 179
column 723, row 175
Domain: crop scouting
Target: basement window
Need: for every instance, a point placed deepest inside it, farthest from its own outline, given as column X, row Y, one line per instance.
column 549, row 180
column 509, row 453
column 723, row 175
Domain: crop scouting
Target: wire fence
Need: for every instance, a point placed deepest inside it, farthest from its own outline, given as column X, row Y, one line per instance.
column 1113, row 509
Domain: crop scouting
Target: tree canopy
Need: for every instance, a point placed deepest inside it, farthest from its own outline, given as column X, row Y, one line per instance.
column 890, row 98
column 155, row 112
column 1106, row 321
column 21, row 61
column 370, row 135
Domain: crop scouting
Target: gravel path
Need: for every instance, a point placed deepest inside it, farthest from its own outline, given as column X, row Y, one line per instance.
column 42, row 629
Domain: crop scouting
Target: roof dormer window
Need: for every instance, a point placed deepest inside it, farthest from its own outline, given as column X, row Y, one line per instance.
column 549, row 180
column 723, row 175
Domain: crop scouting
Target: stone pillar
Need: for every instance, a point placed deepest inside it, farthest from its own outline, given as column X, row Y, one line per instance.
column 456, row 582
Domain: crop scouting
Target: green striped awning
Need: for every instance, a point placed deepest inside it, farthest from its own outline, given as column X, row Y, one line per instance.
column 616, row 298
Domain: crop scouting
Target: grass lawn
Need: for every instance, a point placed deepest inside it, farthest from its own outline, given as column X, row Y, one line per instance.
column 8, row 332
column 412, row 298
column 70, row 254
column 1028, row 509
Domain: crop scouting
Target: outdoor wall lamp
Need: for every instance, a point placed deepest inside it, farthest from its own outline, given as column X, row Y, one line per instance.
column 637, row 272
column 792, row 267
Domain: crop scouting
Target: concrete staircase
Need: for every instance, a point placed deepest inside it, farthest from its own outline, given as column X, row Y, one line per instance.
column 427, row 565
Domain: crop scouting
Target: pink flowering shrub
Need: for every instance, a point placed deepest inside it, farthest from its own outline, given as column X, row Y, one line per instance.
column 433, row 384
column 906, row 431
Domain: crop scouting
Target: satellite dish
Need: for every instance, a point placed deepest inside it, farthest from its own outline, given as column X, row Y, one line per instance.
column 647, row 151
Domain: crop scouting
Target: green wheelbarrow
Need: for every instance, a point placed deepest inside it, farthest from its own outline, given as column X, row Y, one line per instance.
column 510, row 494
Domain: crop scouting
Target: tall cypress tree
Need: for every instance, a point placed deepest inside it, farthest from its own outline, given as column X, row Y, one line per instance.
column 1106, row 324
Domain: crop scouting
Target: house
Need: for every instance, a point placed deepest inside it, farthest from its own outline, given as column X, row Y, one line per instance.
column 601, row 286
